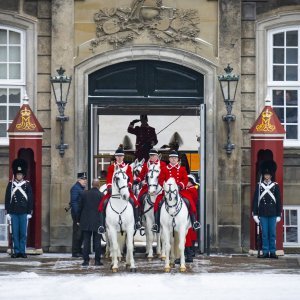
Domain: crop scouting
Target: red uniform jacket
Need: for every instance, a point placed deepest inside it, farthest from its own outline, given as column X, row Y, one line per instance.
column 178, row 172
column 110, row 173
column 111, row 170
column 144, row 173
column 145, row 168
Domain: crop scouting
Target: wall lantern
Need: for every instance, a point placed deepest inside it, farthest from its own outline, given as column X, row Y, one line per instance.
column 61, row 86
column 229, row 83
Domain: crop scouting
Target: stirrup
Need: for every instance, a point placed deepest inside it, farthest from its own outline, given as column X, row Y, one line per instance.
column 196, row 225
column 137, row 225
column 154, row 228
column 101, row 229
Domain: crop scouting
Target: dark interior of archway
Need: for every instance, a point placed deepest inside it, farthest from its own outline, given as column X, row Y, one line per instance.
column 146, row 87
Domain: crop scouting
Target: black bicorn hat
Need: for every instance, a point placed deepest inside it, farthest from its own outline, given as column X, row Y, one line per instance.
column 268, row 167
column 173, row 153
column 153, row 152
column 19, row 165
column 119, row 152
column 82, row 175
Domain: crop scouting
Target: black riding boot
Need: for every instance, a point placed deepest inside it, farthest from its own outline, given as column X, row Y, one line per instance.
column 189, row 255
column 156, row 226
column 195, row 224
column 137, row 223
column 101, row 228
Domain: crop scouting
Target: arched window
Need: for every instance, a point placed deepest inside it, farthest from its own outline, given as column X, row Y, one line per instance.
column 12, row 76
column 283, row 79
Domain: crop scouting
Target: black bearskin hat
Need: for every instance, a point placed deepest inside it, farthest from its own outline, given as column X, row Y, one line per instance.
column 268, row 167
column 120, row 151
column 19, row 165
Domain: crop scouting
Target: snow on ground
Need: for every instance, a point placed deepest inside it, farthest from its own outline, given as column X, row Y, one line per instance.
column 29, row 285
column 59, row 277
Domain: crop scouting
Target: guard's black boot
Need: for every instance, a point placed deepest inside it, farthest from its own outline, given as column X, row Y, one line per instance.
column 189, row 255
column 273, row 255
column 101, row 228
column 137, row 223
column 196, row 225
column 156, row 226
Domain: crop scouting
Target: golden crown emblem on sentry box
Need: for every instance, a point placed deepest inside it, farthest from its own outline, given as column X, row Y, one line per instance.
column 25, row 120
column 265, row 124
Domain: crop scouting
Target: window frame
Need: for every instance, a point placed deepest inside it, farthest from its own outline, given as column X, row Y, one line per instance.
column 283, row 85
column 4, row 243
column 15, row 83
column 290, row 244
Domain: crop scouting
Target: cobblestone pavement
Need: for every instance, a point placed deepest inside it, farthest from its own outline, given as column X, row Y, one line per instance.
column 62, row 264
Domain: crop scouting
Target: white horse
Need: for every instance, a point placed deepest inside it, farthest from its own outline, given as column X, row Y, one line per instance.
column 175, row 222
column 120, row 219
column 136, row 168
column 154, row 189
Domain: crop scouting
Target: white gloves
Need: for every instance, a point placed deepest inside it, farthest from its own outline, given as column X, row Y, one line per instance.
column 256, row 219
column 8, row 217
column 278, row 219
column 29, row 217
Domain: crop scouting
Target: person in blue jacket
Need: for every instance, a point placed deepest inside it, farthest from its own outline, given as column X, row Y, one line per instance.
column 75, row 193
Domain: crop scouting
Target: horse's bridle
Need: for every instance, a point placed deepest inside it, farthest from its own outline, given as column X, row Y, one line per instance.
column 151, row 176
column 177, row 205
column 117, row 179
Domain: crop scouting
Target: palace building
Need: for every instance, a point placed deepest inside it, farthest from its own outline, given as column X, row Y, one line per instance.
column 167, row 59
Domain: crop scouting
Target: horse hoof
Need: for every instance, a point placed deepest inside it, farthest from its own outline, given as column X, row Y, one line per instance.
column 132, row 270
column 172, row 265
column 150, row 258
column 163, row 258
column 167, row 269
column 115, row 270
column 182, row 269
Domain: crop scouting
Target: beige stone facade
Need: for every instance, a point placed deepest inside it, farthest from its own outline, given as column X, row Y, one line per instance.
column 60, row 32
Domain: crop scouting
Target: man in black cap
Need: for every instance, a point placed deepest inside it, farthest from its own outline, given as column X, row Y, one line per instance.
column 88, row 220
column 145, row 137
column 75, row 192
column 19, row 207
column 267, row 210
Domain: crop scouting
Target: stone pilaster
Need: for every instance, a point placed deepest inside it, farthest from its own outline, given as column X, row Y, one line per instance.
column 62, row 168
column 228, row 228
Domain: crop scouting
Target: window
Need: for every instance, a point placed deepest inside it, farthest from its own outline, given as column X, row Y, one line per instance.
column 291, row 230
column 283, row 80
column 3, row 227
column 12, row 76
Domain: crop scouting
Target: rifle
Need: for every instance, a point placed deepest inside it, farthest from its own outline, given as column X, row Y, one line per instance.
column 258, row 239
column 10, row 241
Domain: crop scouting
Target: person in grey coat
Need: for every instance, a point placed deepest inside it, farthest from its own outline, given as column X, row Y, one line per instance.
column 88, row 220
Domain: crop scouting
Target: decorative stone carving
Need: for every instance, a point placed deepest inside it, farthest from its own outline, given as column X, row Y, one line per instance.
column 119, row 26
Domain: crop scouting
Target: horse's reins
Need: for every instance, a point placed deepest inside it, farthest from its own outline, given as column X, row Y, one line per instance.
column 177, row 205
column 117, row 196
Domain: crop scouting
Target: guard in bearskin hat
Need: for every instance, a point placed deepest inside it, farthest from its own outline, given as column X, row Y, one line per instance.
column 19, row 207
column 267, row 207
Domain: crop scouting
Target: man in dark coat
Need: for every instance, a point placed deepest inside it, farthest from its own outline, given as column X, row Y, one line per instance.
column 75, row 192
column 19, row 207
column 267, row 211
column 145, row 137
column 88, row 221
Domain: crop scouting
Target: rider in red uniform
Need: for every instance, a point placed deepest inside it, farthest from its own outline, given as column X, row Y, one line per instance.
column 119, row 156
column 193, row 188
column 154, row 159
column 179, row 173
